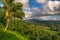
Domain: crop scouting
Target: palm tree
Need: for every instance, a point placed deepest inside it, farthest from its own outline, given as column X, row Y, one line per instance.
column 12, row 9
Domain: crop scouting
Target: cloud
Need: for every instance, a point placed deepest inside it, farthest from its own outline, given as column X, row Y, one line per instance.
column 28, row 14
column 41, row 1
column 50, row 18
column 44, row 17
column 25, row 4
column 26, row 7
column 36, row 12
column 54, row 5
column 22, row 1
column 48, row 9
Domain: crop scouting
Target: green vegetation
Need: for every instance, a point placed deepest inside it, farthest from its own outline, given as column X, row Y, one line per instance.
column 11, row 9
column 7, row 36
column 31, row 31
column 10, row 35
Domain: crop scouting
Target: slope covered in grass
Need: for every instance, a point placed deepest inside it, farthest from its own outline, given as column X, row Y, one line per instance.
column 33, row 31
column 30, row 31
column 10, row 35
column 7, row 36
column 20, row 37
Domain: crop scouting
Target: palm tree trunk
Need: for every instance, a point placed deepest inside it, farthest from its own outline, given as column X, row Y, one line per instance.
column 8, row 20
column 7, row 24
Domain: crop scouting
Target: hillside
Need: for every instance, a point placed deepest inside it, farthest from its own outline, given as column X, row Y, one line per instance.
column 43, row 21
column 21, row 30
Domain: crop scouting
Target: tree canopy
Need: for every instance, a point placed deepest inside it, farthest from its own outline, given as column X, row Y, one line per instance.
column 12, row 10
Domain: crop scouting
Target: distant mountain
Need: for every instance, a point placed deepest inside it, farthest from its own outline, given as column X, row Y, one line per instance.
column 42, row 21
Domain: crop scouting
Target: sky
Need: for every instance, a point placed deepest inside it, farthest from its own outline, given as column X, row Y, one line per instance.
column 41, row 9
column 1, row 3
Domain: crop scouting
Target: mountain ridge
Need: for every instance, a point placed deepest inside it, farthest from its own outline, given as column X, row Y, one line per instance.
column 43, row 21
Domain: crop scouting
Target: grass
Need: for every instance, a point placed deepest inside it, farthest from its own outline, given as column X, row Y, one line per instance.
column 7, row 36
column 27, row 31
column 10, row 35
column 17, row 35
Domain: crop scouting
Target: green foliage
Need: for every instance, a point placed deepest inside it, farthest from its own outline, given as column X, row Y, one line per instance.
column 17, row 35
column 7, row 36
column 33, row 31
column 2, row 16
column 21, row 30
column 10, row 35
column 14, row 8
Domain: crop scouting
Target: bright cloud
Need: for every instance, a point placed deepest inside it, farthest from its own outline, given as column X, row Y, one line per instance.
column 44, row 17
column 22, row 1
column 48, row 18
column 53, row 4
column 28, row 14
column 41, row 1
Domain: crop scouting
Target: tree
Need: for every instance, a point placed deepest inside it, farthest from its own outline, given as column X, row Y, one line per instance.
column 12, row 9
